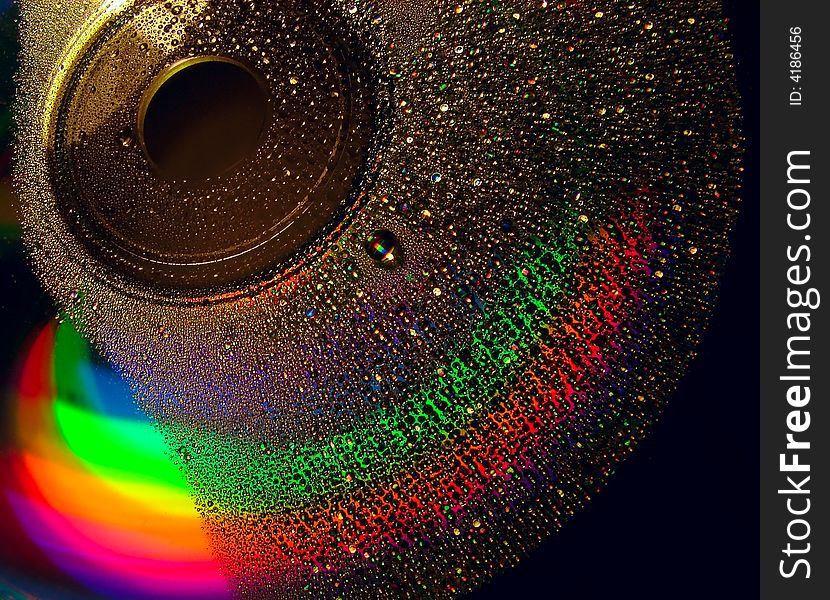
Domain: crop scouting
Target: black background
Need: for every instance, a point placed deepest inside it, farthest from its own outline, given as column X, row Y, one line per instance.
column 680, row 519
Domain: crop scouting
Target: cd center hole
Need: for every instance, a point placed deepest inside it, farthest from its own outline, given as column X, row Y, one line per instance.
column 202, row 117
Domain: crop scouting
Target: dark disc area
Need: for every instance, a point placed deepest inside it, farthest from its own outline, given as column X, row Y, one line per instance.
column 203, row 118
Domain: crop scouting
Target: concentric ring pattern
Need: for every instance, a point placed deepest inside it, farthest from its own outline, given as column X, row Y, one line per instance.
column 556, row 181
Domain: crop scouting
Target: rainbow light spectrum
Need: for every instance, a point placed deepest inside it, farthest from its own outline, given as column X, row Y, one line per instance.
column 87, row 483
column 90, row 505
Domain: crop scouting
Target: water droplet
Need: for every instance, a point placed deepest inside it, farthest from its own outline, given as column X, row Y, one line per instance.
column 126, row 138
column 383, row 248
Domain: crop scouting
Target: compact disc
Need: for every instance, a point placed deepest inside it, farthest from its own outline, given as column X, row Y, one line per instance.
column 400, row 283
